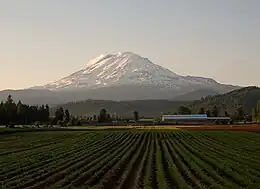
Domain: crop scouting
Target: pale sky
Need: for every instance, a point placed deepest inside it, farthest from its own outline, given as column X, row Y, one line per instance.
column 44, row 40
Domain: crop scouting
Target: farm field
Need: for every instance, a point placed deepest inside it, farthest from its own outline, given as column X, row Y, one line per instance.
column 134, row 158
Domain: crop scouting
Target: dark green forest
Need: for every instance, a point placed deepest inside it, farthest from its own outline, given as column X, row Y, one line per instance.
column 244, row 98
column 12, row 113
column 237, row 104
column 146, row 108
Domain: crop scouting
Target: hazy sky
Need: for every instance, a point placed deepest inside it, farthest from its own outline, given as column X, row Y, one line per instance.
column 44, row 40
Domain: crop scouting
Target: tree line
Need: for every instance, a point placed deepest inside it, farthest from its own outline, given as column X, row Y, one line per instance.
column 105, row 117
column 64, row 118
column 238, row 115
column 12, row 113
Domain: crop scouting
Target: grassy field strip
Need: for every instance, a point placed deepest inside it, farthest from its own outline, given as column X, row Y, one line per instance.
column 127, row 177
column 91, row 170
column 59, row 175
column 184, row 172
column 237, row 141
column 239, row 144
column 44, row 154
column 48, row 143
column 53, row 160
column 149, row 178
column 173, row 168
column 244, row 158
column 110, row 179
column 140, row 168
column 241, row 160
column 226, row 172
column 207, row 141
column 235, row 136
column 109, row 163
column 207, row 176
column 130, row 159
column 204, row 171
column 28, row 179
column 161, row 178
column 41, row 139
column 231, row 168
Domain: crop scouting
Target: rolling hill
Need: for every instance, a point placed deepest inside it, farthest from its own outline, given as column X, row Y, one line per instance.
column 146, row 108
column 196, row 95
column 246, row 97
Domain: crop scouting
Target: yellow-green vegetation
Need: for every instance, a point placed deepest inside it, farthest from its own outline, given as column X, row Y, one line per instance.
column 256, row 113
column 111, row 158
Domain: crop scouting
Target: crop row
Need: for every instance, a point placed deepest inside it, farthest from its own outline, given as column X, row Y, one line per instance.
column 132, row 159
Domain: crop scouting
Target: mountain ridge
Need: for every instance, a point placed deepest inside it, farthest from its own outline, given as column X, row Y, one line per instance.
column 117, row 76
column 196, row 95
column 125, row 68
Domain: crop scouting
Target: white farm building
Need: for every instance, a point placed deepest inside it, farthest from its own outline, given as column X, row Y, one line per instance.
column 192, row 118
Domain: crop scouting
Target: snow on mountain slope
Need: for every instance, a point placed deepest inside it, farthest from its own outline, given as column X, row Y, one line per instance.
column 125, row 68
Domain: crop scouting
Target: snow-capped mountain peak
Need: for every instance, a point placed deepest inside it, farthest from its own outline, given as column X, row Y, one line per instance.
column 124, row 68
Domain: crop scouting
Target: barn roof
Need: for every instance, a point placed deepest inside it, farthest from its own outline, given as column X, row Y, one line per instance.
column 192, row 116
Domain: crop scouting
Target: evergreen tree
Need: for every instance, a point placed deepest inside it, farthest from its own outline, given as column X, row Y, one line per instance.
column 2, row 114
column 258, row 112
column 136, row 116
column 240, row 114
column 34, row 114
column 47, row 113
column 11, row 113
column 59, row 115
column 208, row 112
column 202, row 111
column 10, row 108
column 108, row 117
column 103, row 116
column 215, row 112
column 9, row 99
column 73, row 121
column 20, row 113
column 41, row 114
column 254, row 115
column 67, row 116
column 184, row 110
column 226, row 114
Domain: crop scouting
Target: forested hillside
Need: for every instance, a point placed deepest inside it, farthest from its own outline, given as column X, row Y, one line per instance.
column 246, row 98
column 147, row 108
column 196, row 95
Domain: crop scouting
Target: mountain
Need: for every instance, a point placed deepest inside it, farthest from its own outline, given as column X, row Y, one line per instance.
column 246, row 97
column 119, row 77
column 146, row 108
column 126, row 68
column 196, row 95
